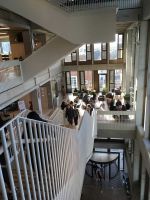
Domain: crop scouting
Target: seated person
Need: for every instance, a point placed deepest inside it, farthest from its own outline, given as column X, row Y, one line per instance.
column 127, row 106
column 118, row 105
column 76, row 100
column 111, row 105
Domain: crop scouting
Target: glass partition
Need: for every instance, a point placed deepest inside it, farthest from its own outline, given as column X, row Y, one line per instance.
column 10, row 77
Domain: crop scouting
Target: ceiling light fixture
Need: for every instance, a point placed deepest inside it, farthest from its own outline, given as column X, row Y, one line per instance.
column 4, row 28
column 3, row 33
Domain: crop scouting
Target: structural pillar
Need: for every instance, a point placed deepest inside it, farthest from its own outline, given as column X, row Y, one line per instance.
column 141, row 73
column 128, row 60
column 147, row 106
column 143, row 178
column 141, row 67
column 36, row 100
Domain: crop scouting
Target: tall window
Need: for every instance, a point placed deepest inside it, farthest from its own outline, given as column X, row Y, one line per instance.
column 116, row 47
column 5, row 45
column 88, row 52
column 118, row 78
column 71, row 57
column 74, row 80
column 97, row 51
column 88, row 80
column 82, row 53
column 120, row 46
column 68, row 58
column 113, row 48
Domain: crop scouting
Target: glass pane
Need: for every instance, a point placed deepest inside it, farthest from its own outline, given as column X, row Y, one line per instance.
column 68, row 58
column 102, row 82
column 89, row 57
column 97, row 51
column 82, row 53
column 82, row 78
column 104, row 46
column 88, row 80
column 120, row 42
column 74, row 56
column 74, row 80
column 111, row 86
column 68, row 78
column 69, row 89
column 88, row 47
column 103, row 54
column 113, row 49
column 10, row 77
column 102, row 71
column 5, row 48
column 111, row 76
column 118, row 78
column 120, row 54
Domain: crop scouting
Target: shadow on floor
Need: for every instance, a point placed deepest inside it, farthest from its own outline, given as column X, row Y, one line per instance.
column 94, row 189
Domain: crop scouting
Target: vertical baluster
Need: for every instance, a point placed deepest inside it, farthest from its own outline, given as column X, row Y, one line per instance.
column 13, row 142
column 40, row 171
column 33, row 154
column 43, row 159
column 2, row 185
column 48, row 135
column 51, row 153
column 55, row 157
column 8, row 163
column 23, row 159
column 44, row 127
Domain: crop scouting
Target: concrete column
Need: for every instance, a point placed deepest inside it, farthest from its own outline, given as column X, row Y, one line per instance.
column 133, row 57
column 128, row 60
column 137, row 47
column 36, row 100
column 123, row 79
column 49, row 95
column 143, row 178
column 136, row 163
column 147, row 106
column 149, row 190
column 141, row 73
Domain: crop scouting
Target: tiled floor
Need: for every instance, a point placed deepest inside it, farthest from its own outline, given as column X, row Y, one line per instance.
column 106, row 190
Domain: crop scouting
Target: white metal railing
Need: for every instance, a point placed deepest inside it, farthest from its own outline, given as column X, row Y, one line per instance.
column 57, row 117
column 122, row 120
column 44, row 161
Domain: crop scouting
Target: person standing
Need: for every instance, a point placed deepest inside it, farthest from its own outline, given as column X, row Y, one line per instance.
column 70, row 113
column 76, row 115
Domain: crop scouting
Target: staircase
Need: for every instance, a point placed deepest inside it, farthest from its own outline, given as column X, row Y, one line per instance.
column 44, row 161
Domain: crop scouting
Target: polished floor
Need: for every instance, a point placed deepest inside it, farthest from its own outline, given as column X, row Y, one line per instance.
column 113, row 189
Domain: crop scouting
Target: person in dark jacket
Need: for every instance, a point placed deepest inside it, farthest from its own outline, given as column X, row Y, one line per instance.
column 76, row 115
column 70, row 113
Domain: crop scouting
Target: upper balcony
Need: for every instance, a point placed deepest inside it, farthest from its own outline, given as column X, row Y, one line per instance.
column 116, row 124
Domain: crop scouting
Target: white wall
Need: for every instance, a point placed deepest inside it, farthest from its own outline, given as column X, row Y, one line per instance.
column 84, row 27
column 45, row 57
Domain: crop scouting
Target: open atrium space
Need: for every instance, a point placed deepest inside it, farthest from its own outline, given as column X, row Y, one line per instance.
column 75, row 100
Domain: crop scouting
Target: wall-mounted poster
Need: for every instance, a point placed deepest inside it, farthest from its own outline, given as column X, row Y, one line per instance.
column 21, row 106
